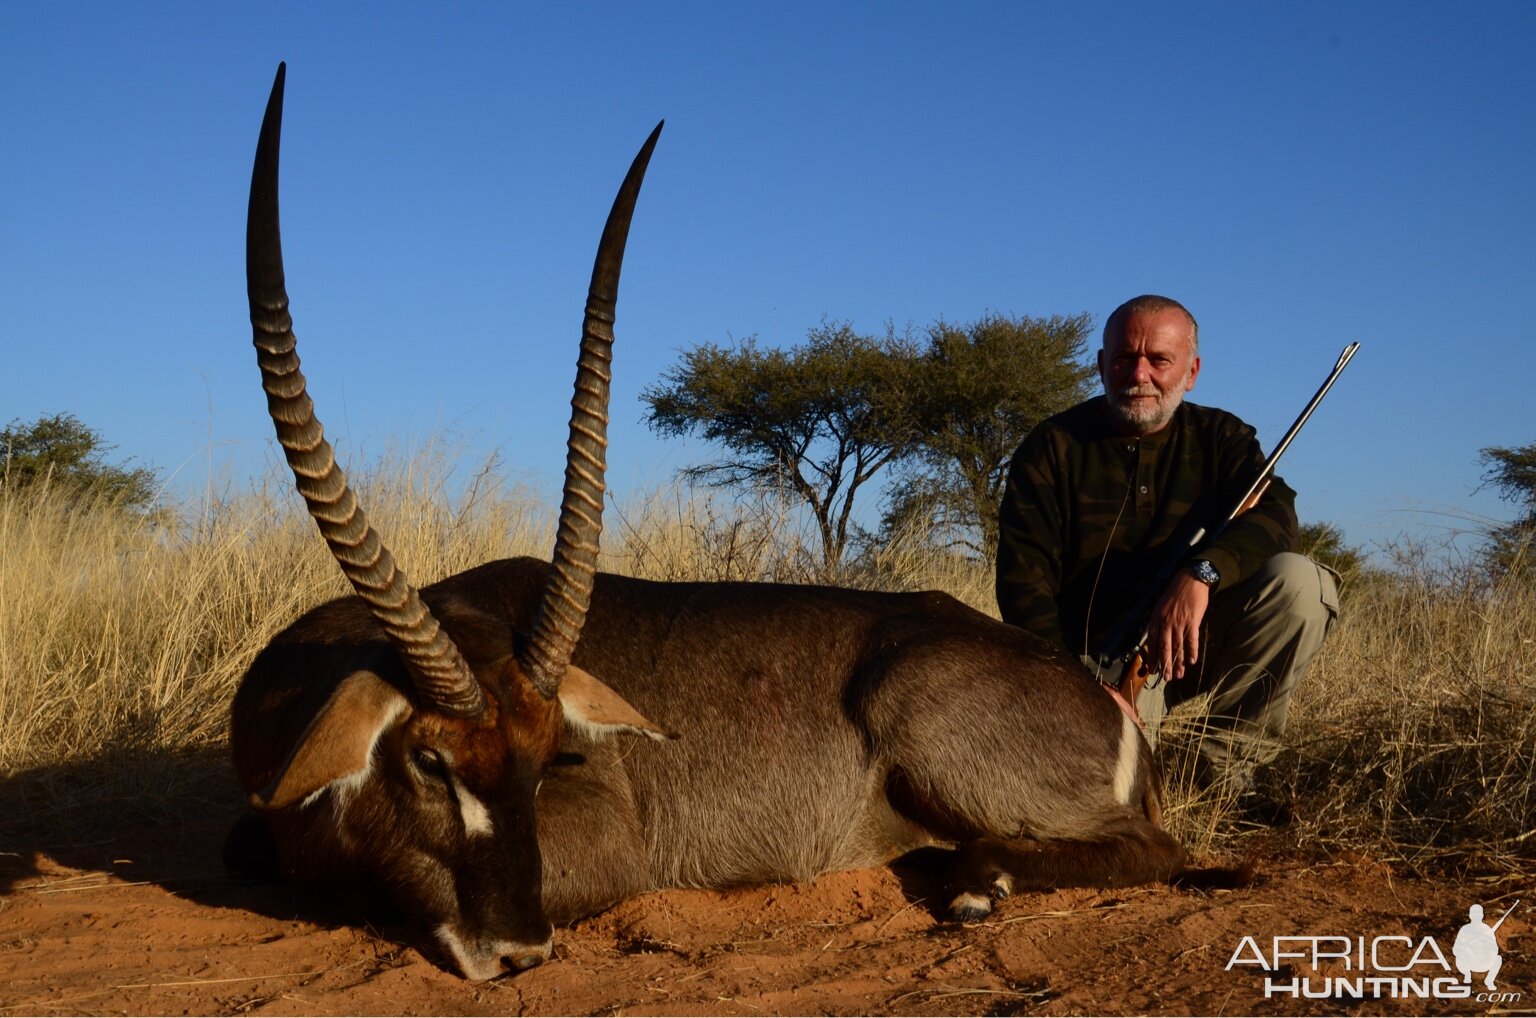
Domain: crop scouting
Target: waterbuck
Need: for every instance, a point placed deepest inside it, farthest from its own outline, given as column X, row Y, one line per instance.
column 529, row 742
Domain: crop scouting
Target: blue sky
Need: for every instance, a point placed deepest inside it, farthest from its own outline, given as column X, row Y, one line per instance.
column 1300, row 175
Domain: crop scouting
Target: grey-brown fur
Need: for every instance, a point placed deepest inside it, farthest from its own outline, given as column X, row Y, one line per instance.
column 821, row 729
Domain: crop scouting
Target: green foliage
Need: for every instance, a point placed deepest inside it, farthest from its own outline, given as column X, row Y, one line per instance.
column 1324, row 543
column 1511, row 548
column 1513, row 473
column 1511, row 552
column 63, row 451
column 981, row 388
column 817, row 420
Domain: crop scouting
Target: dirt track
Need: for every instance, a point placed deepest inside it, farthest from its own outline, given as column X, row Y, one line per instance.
column 144, row 921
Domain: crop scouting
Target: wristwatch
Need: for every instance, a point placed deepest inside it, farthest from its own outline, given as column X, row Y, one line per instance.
column 1202, row 570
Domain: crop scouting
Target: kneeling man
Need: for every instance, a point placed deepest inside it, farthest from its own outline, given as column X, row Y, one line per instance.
column 1100, row 495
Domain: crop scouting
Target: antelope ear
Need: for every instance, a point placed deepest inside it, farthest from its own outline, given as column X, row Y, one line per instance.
column 595, row 710
column 338, row 744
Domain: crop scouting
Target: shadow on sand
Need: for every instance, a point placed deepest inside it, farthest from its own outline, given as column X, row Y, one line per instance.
column 161, row 817
column 156, row 817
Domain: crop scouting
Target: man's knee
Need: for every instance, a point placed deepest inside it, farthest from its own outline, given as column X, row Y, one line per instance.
column 1295, row 585
column 1277, row 617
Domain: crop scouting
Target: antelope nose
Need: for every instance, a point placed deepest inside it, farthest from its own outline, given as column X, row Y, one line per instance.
column 527, row 957
column 519, row 962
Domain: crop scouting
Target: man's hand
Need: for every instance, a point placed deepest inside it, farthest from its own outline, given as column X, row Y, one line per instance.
column 1173, row 632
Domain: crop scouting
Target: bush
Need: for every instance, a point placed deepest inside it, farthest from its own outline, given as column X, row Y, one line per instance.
column 63, row 452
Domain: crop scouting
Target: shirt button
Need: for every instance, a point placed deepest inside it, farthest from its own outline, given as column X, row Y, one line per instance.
column 1143, row 489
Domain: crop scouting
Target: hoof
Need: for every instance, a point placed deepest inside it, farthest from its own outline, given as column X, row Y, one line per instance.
column 968, row 908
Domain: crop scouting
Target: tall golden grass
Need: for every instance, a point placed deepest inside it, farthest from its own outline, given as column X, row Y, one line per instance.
column 1416, row 733
column 122, row 638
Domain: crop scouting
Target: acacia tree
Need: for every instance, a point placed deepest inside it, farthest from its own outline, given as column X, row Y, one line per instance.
column 1512, row 472
column 981, row 387
column 60, row 449
column 817, row 420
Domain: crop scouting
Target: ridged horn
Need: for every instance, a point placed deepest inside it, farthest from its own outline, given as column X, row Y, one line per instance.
column 441, row 675
column 568, row 590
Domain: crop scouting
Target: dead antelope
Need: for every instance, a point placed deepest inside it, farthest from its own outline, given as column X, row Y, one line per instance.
column 454, row 745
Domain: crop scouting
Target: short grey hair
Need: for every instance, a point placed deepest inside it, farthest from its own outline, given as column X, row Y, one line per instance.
column 1149, row 304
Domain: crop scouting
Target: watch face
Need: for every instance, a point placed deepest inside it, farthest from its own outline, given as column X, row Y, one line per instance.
column 1205, row 572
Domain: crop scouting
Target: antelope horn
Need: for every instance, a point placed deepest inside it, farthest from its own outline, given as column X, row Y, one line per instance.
column 439, row 671
column 568, row 589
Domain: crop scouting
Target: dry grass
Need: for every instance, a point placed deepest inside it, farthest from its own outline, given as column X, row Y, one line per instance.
column 1417, row 735
column 1414, row 735
column 122, row 639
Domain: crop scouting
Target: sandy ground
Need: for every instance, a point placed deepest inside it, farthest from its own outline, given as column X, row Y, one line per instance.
column 144, row 921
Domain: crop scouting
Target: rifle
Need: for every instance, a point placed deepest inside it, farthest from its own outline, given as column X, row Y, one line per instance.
column 1118, row 646
column 1495, row 927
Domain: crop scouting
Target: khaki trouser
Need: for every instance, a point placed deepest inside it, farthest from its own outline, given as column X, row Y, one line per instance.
column 1256, row 642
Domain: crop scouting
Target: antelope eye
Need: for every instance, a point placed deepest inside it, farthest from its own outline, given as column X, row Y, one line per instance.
column 430, row 763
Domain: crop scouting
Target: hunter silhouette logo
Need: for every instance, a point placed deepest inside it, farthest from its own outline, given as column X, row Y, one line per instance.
column 1477, row 947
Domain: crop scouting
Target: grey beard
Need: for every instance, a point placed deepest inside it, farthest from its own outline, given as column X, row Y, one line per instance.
column 1147, row 420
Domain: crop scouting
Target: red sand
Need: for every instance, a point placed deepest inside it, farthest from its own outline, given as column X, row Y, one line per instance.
column 147, row 923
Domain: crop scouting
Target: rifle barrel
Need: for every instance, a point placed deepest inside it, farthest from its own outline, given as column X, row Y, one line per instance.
column 1274, row 457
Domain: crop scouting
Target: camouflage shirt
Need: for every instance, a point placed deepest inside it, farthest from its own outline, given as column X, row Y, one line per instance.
column 1089, row 516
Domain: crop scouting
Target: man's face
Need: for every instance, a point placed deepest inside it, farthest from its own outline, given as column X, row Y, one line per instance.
column 1147, row 369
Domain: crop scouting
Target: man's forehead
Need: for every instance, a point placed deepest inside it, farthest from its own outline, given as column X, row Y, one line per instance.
column 1165, row 327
